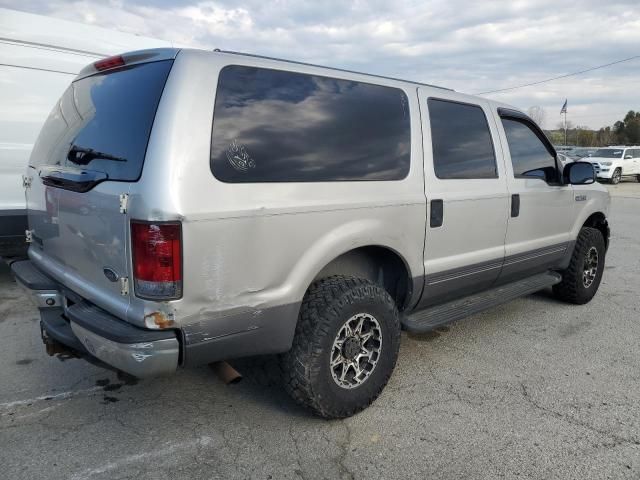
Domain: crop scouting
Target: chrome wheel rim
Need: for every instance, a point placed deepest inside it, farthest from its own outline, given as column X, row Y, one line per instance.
column 590, row 269
column 355, row 351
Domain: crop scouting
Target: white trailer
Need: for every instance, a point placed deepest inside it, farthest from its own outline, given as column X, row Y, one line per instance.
column 39, row 57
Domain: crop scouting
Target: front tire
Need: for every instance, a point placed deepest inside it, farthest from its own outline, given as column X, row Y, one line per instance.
column 580, row 281
column 345, row 346
column 616, row 177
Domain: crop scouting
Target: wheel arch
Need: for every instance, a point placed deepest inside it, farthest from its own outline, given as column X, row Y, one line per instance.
column 598, row 220
column 380, row 264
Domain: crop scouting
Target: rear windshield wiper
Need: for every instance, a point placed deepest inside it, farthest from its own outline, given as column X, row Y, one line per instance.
column 82, row 156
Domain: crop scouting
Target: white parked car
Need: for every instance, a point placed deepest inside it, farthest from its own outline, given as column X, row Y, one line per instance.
column 39, row 57
column 613, row 163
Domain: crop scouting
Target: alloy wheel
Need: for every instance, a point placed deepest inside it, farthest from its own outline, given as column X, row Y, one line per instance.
column 355, row 351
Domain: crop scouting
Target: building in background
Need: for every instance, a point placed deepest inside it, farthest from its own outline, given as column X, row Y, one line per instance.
column 39, row 57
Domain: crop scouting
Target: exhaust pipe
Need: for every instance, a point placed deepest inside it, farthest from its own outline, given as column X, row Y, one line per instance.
column 57, row 349
column 226, row 372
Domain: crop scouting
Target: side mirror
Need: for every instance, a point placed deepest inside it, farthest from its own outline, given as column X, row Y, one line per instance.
column 579, row 173
column 627, row 157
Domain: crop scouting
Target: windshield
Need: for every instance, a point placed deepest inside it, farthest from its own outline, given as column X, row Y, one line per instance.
column 102, row 122
column 608, row 153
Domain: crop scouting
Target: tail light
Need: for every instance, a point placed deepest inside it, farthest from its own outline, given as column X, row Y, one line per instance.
column 109, row 62
column 157, row 260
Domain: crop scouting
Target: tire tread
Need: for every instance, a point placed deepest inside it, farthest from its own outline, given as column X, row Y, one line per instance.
column 322, row 300
column 570, row 288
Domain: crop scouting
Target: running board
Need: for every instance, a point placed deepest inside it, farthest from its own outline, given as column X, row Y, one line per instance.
column 438, row 315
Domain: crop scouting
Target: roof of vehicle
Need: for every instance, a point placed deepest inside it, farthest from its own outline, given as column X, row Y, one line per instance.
column 263, row 57
column 494, row 103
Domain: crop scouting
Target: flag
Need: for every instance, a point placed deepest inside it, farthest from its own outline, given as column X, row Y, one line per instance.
column 564, row 108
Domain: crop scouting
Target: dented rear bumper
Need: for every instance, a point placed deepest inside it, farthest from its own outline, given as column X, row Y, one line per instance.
column 89, row 330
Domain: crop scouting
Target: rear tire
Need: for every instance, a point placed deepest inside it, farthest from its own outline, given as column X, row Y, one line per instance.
column 327, row 369
column 580, row 281
column 616, row 177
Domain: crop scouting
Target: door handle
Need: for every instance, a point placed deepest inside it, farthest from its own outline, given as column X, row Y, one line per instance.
column 437, row 213
column 515, row 204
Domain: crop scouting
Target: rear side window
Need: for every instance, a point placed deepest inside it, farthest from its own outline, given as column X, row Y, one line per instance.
column 102, row 122
column 529, row 156
column 278, row 126
column 462, row 145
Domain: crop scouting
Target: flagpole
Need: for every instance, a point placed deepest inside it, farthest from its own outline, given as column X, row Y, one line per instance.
column 565, row 127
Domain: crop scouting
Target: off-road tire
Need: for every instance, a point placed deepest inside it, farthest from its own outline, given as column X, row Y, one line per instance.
column 615, row 179
column 572, row 288
column 326, row 306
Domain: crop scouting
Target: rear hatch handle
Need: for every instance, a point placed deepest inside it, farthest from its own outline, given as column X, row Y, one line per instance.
column 75, row 180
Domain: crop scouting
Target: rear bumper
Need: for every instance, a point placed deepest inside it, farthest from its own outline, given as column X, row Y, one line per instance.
column 89, row 330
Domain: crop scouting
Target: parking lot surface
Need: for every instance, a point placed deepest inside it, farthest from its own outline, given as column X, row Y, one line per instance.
column 534, row 389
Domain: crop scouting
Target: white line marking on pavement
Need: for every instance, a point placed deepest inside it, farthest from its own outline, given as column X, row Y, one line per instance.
column 55, row 396
column 167, row 450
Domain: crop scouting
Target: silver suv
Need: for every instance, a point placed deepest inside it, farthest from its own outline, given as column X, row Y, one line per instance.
column 188, row 206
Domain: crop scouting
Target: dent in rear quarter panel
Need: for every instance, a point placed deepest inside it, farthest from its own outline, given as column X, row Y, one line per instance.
column 251, row 250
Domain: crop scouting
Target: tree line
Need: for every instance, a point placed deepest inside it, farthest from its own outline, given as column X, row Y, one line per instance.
column 623, row 132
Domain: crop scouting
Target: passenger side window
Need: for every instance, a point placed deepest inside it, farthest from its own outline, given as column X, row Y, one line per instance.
column 636, row 153
column 461, row 141
column 280, row 126
column 529, row 155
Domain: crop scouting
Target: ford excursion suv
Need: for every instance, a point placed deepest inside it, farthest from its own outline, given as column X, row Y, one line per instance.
column 187, row 207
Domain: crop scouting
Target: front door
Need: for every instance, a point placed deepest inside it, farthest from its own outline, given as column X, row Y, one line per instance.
column 467, row 198
column 542, row 208
column 635, row 162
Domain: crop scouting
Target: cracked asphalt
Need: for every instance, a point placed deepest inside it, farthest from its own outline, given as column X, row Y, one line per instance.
column 534, row 389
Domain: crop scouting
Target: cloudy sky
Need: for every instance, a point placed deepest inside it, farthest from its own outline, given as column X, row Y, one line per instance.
column 471, row 46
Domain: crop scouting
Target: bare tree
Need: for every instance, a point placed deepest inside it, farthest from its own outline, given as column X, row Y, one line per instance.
column 537, row 114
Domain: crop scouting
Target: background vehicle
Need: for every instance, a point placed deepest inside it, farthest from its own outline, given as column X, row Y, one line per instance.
column 582, row 152
column 613, row 163
column 564, row 158
column 189, row 206
column 39, row 57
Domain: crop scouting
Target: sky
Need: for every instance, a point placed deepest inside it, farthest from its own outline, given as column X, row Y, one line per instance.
column 470, row 46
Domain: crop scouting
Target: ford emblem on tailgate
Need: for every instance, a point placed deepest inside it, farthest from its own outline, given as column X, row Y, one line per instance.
column 111, row 274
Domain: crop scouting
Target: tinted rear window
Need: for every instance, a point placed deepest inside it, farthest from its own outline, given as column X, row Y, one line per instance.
column 103, row 122
column 278, row 126
column 462, row 145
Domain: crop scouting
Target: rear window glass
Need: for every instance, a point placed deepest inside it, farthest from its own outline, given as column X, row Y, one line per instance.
column 278, row 126
column 103, row 122
column 462, row 145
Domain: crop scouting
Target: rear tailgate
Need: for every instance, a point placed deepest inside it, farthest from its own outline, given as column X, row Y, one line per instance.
column 90, row 150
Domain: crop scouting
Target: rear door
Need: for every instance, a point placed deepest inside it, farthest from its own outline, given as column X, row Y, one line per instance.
column 542, row 209
column 466, row 194
column 89, row 151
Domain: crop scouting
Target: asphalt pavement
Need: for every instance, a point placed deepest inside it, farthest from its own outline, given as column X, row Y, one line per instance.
column 533, row 389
